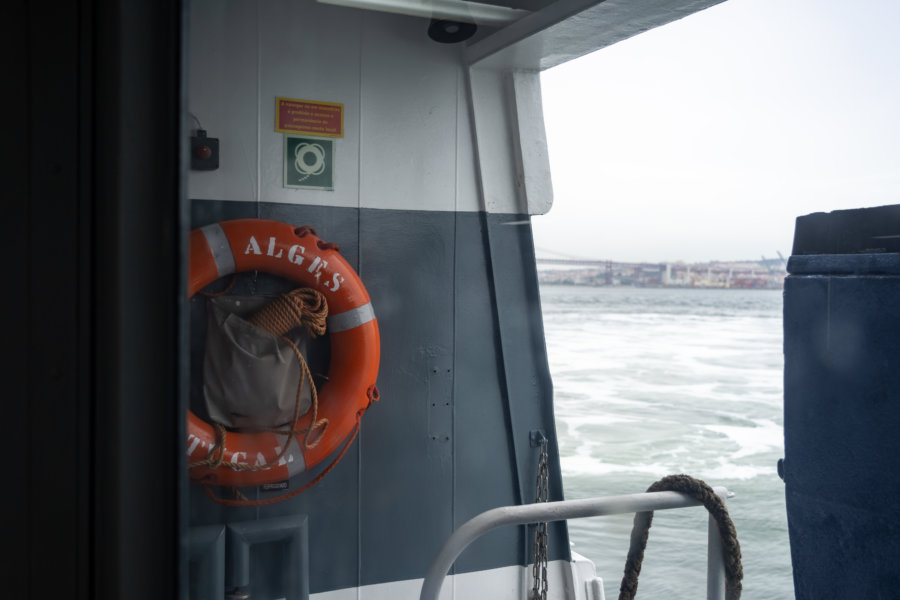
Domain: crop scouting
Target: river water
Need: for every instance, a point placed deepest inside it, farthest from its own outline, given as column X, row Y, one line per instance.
column 651, row 382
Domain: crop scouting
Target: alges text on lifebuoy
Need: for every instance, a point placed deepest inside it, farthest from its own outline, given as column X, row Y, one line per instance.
column 295, row 255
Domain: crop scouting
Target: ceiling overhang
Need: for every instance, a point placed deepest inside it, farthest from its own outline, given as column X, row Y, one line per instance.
column 568, row 29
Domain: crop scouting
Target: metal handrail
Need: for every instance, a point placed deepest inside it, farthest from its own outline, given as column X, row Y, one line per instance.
column 527, row 514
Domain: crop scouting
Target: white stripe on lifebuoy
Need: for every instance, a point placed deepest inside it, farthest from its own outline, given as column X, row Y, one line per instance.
column 220, row 248
column 351, row 318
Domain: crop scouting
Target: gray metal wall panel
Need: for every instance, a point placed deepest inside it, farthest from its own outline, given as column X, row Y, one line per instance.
column 485, row 459
column 526, row 371
column 407, row 476
column 333, row 524
column 437, row 449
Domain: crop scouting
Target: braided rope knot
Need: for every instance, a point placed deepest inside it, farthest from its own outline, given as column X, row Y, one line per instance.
column 701, row 491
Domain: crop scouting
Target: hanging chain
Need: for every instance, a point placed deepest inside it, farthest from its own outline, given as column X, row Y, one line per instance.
column 542, row 494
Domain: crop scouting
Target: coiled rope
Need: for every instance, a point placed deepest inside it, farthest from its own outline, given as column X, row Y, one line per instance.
column 302, row 307
column 700, row 491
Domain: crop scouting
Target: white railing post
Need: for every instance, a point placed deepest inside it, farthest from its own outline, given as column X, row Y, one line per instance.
column 715, row 561
column 526, row 514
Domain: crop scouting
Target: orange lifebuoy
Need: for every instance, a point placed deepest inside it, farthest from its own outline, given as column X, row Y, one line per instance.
column 299, row 255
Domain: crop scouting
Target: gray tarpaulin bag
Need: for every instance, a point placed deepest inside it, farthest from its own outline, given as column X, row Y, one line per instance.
column 250, row 375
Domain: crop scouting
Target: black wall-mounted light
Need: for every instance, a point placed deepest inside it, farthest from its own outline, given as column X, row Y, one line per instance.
column 450, row 32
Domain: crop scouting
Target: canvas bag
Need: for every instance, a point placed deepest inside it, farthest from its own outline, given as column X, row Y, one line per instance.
column 250, row 375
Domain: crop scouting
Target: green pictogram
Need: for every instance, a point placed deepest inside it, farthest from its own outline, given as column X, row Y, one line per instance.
column 308, row 163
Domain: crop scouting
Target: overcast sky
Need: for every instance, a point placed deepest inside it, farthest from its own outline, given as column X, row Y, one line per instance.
column 704, row 139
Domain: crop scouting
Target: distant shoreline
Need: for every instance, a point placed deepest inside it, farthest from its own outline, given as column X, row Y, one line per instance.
column 765, row 275
column 659, row 287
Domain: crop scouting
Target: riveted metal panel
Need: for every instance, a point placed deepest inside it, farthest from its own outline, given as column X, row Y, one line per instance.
column 333, row 504
column 449, row 437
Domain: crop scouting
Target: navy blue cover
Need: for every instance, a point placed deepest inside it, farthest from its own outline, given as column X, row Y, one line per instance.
column 842, row 416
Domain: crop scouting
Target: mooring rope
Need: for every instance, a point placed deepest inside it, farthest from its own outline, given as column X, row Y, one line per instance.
column 700, row 491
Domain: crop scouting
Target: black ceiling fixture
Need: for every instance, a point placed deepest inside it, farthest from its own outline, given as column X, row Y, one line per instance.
column 450, row 32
